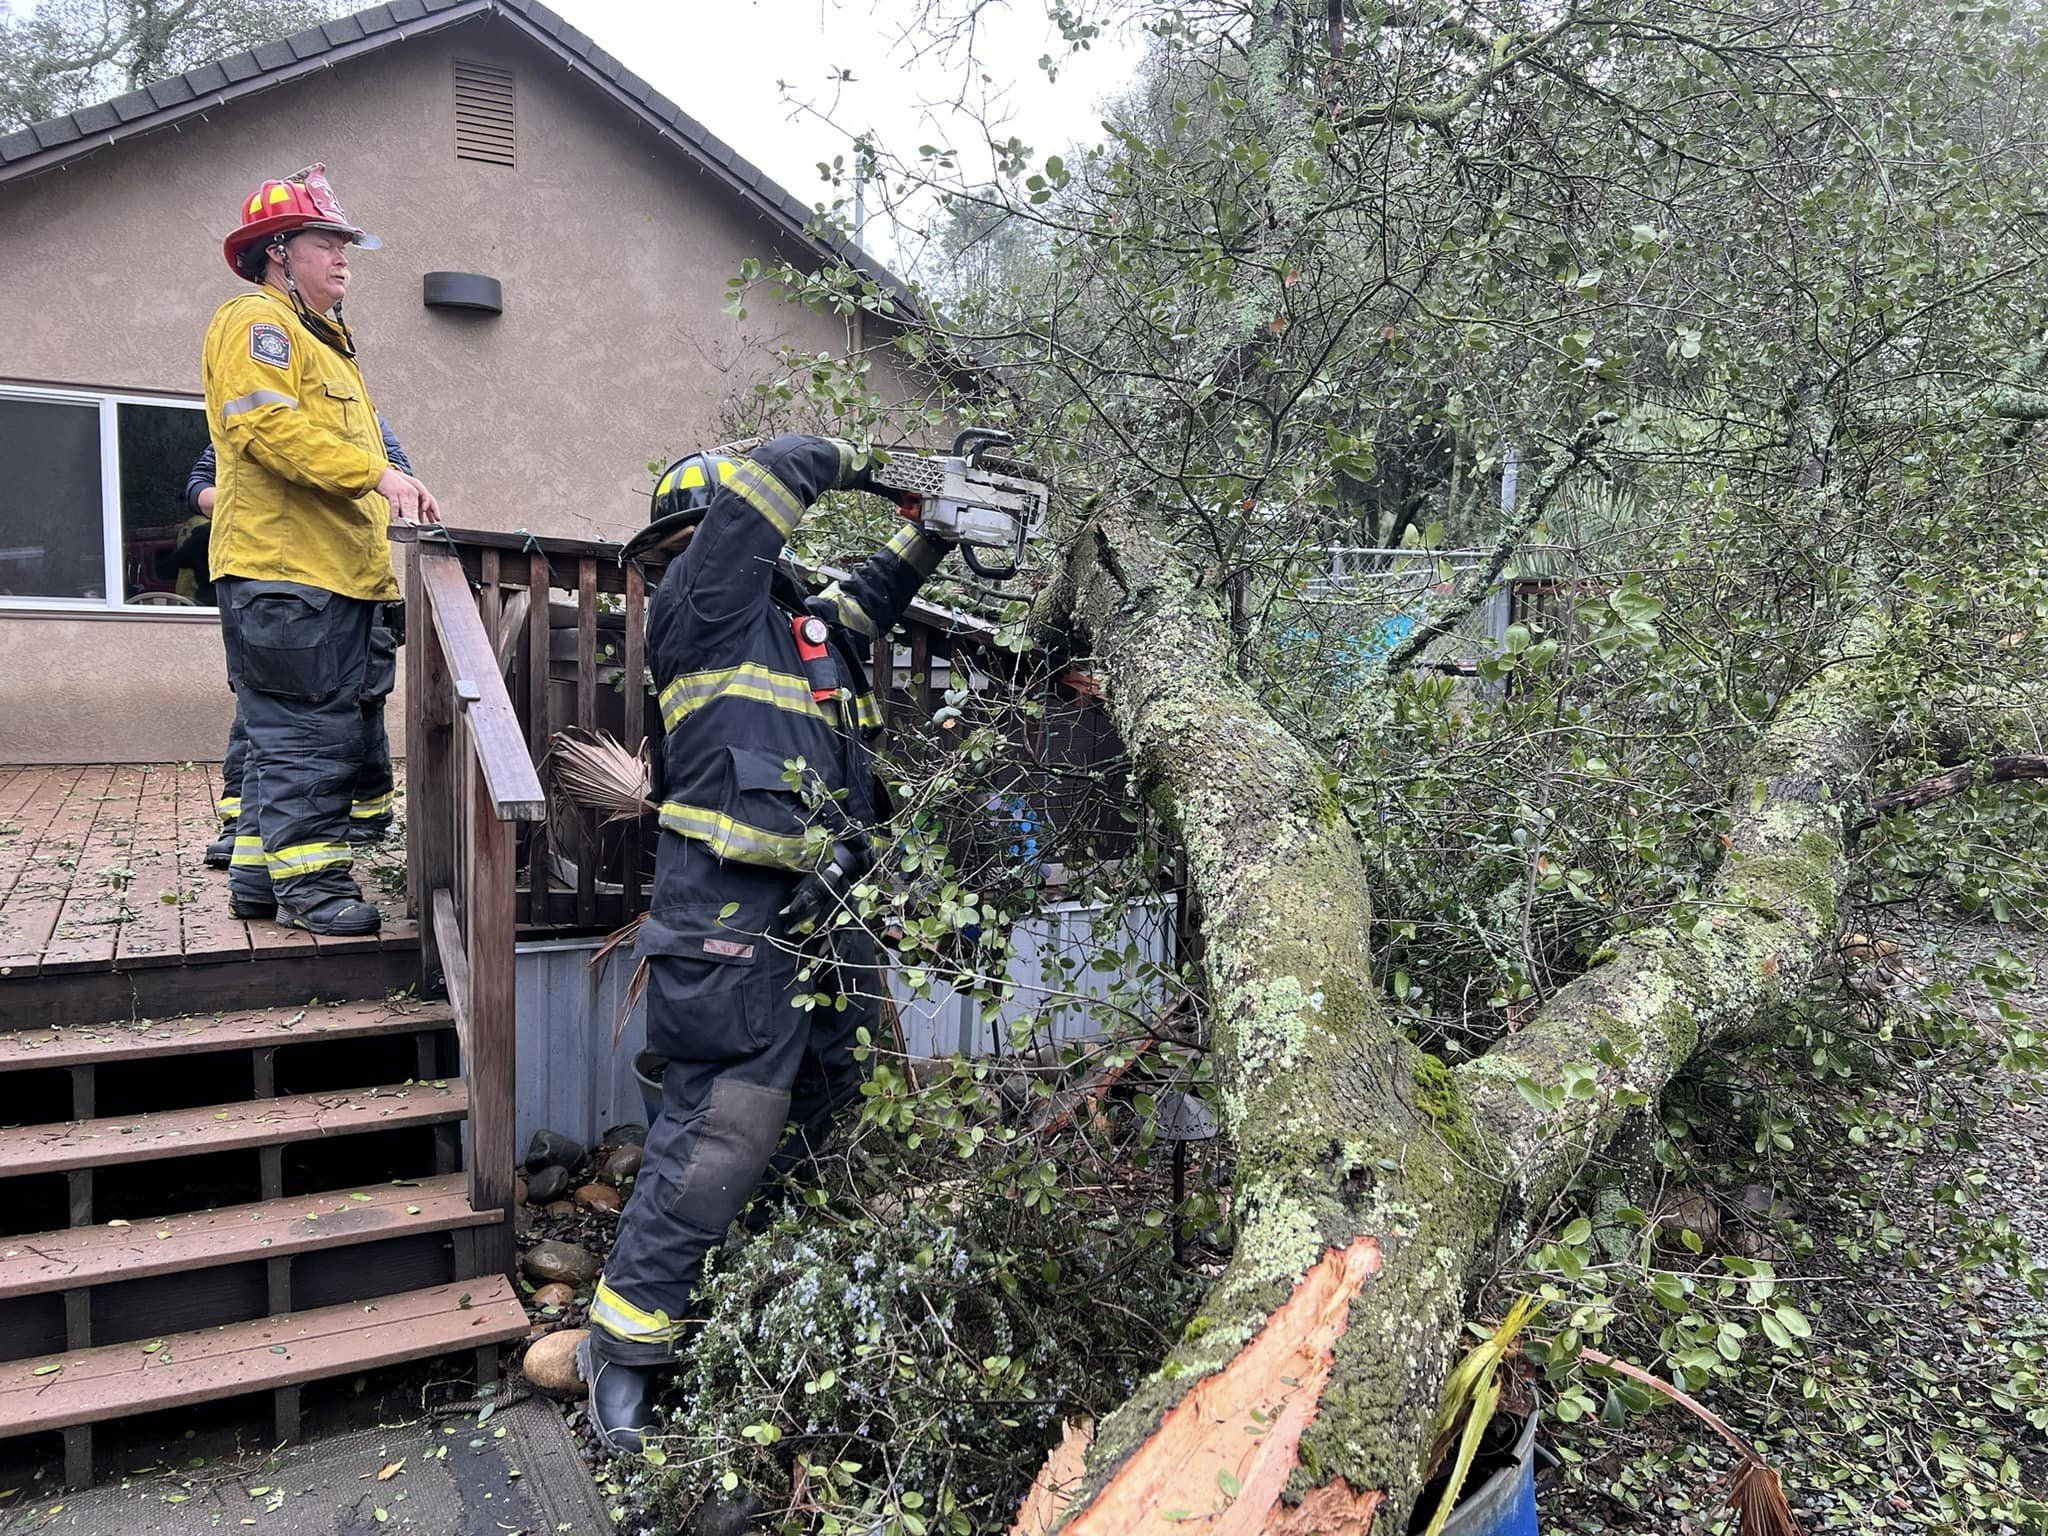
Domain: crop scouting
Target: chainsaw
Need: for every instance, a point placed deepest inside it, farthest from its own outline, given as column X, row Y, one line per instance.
column 980, row 502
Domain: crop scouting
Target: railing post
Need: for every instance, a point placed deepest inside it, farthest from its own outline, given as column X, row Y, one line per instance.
column 491, row 933
column 429, row 765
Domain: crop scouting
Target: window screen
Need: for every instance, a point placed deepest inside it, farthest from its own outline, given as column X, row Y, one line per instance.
column 163, row 542
column 51, row 539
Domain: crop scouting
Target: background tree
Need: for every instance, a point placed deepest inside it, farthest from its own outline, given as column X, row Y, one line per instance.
column 59, row 55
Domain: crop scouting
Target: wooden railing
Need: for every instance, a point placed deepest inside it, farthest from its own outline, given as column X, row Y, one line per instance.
column 468, row 779
column 567, row 626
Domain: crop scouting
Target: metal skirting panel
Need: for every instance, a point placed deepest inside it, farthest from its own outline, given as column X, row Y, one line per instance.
column 1058, row 985
column 571, row 1080
column 569, row 1077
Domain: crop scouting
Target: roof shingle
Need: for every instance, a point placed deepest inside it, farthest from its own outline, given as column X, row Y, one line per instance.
column 42, row 146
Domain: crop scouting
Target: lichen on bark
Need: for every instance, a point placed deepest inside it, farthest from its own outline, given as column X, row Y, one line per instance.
column 1342, row 1126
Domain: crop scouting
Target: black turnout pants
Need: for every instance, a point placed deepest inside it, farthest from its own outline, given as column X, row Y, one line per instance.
column 298, row 660
column 752, row 1085
column 370, row 795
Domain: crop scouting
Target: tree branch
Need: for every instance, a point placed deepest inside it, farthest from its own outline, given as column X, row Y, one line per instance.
column 1996, row 770
column 1472, row 591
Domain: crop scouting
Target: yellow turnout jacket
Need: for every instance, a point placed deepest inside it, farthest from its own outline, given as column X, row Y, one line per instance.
column 298, row 454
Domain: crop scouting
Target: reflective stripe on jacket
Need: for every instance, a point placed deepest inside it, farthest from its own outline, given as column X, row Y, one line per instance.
column 755, row 768
column 298, row 454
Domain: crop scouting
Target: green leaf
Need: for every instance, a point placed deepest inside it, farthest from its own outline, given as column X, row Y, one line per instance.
column 1227, row 1481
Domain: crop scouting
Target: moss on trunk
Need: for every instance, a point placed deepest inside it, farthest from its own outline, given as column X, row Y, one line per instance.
column 1342, row 1126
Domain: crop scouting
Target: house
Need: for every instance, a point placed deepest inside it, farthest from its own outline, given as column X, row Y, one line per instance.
column 482, row 139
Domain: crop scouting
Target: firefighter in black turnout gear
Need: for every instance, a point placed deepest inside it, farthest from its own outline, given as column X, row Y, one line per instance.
column 766, row 788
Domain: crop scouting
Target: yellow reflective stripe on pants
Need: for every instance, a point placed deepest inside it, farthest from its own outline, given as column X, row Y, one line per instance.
column 693, row 690
column 767, row 496
column 306, row 859
column 228, row 806
column 249, row 853
column 731, row 839
column 851, row 614
column 620, row 1318
column 366, row 810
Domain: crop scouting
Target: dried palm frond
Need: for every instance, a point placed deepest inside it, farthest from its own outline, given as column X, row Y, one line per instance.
column 636, row 986
column 1756, row 1497
column 594, row 771
column 1471, row 1393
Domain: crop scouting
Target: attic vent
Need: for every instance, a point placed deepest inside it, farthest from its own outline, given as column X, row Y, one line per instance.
column 483, row 113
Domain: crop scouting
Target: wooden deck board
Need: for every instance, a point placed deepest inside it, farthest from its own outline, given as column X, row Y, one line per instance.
column 81, row 1045
column 102, row 870
column 58, row 1147
column 152, row 933
column 98, row 904
column 38, row 795
column 208, row 929
column 120, row 1379
column 37, row 896
column 270, row 1229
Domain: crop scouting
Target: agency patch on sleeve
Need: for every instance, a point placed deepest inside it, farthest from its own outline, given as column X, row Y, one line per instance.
column 269, row 344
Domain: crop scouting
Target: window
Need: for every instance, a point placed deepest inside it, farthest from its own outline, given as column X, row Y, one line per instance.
column 92, row 502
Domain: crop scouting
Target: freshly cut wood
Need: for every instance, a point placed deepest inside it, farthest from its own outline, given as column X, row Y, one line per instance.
column 1056, row 1481
column 128, row 1250
column 225, row 1127
column 79, row 1045
column 82, row 1386
column 1224, row 1452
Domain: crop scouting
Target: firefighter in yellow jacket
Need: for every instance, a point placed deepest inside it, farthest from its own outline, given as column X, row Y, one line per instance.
column 300, row 552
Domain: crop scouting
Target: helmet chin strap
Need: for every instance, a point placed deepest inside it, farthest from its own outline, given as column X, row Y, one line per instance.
column 334, row 331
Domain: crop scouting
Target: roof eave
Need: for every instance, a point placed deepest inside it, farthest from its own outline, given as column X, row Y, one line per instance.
column 196, row 106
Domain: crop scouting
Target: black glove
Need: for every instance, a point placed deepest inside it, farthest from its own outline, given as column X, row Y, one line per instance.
column 823, row 891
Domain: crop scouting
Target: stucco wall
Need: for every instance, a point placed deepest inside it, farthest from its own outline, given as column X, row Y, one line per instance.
column 613, row 350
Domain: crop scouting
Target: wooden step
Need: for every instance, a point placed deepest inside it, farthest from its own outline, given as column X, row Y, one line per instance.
column 116, row 1380
column 78, row 1045
column 54, row 1148
column 129, row 1250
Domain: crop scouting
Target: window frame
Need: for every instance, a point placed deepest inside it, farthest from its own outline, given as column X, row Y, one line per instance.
column 112, row 543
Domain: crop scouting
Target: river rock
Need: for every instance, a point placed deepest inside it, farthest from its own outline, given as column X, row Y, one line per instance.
column 558, row 1296
column 631, row 1134
column 622, row 1163
column 559, row 1208
column 1688, row 1210
column 519, row 1191
column 550, row 1363
column 551, row 1149
column 598, row 1197
column 549, row 1262
column 546, row 1185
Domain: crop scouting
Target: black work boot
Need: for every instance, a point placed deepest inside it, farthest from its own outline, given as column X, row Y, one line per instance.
column 220, row 853
column 366, row 834
column 332, row 916
column 621, row 1400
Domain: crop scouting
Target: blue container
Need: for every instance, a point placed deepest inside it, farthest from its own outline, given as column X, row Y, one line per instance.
column 1505, row 1504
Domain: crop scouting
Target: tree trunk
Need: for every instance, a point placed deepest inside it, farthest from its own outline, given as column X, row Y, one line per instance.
column 1354, row 1147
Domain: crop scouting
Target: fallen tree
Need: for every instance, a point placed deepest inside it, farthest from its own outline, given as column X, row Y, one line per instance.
column 1355, row 1144
column 1323, row 232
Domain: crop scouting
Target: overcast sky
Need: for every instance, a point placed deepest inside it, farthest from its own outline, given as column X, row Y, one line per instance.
column 740, row 67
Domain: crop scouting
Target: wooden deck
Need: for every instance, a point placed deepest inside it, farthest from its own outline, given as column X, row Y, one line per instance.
column 107, row 909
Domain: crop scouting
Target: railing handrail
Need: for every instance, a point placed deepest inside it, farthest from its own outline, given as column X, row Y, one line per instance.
column 495, row 734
